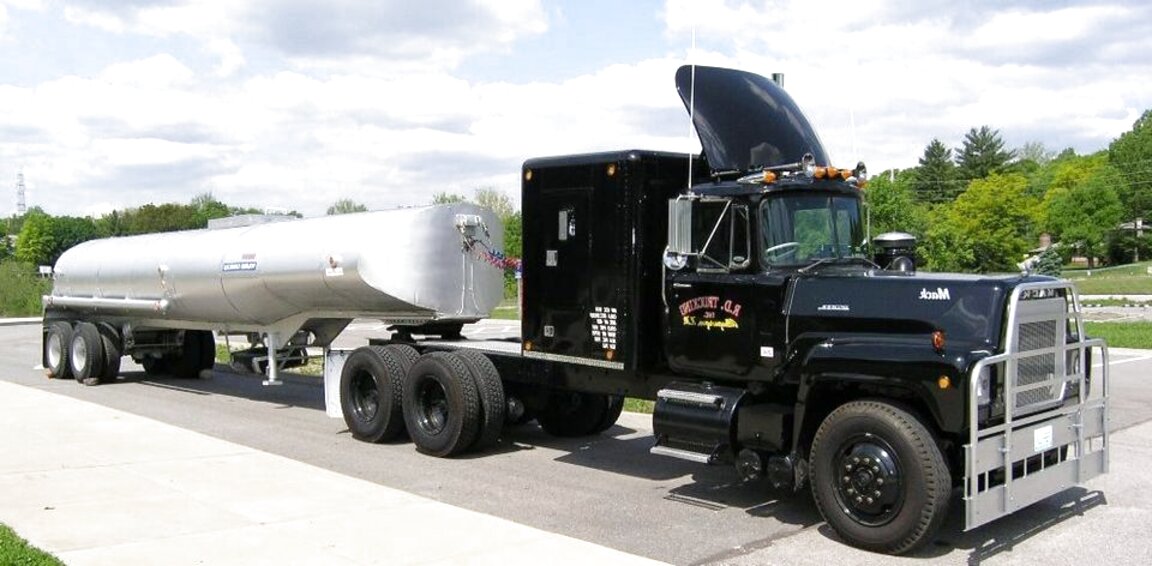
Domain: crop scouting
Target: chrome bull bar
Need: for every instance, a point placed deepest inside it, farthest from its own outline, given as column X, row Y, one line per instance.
column 1052, row 436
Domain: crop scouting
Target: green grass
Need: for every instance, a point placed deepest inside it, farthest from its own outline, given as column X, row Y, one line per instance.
column 1122, row 334
column 638, row 405
column 16, row 551
column 21, row 288
column 1132, row 279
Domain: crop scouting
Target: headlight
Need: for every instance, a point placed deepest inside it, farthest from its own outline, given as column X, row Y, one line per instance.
column 984, row 387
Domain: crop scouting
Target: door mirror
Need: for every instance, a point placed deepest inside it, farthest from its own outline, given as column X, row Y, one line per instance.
column 680, row 227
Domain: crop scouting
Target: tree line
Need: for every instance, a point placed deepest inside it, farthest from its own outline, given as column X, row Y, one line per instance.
column 40, row 238
column 982, row 207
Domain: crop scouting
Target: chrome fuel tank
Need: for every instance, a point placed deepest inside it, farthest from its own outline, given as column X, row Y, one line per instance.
column 402, row 266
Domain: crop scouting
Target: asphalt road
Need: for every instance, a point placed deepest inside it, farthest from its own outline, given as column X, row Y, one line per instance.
column 606, row 489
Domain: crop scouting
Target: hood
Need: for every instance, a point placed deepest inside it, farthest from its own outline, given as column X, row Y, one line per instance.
column 967, row 308
column 744, row 120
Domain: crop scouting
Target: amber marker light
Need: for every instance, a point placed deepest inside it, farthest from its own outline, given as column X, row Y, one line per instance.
column 938, row 340
column 769, row 177
column 527, row 174
column 820, row 172
column 611, row 169
column 943, row 382
column 833, row 172
column 610, row 354
column 527, row 345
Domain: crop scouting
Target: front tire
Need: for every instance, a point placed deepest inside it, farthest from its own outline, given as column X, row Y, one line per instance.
column 879, row 478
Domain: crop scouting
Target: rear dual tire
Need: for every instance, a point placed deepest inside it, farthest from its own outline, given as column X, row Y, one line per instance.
column 442, row 405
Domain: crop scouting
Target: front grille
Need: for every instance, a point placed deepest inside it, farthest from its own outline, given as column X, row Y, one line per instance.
column 1040, row 370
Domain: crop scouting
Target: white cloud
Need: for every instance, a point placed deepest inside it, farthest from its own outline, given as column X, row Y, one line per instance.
column 230, row 55
column 906, row 73
column 294, row 104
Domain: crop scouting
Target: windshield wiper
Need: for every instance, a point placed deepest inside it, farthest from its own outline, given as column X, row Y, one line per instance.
column 825, row 260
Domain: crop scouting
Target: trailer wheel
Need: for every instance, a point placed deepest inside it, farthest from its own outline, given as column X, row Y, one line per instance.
column 879, row 478
column 110, row 340
column 572, row 414
column 491, row 389
column 197, row 353
column 371, row 389
column 87, row 354
column 441, row 405
column 57, row 341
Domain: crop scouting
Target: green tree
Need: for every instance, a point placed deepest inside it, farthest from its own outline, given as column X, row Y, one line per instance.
column 447, row 198
column 1035, row 152
column 935, row 179
column 495, row 200
column 167, row 217
column 892, row 204
column 988, row 228
column 982, row 154
column 208, row 208
column 1087, row 211
column 37, row 240
column 1049, row 263
column 71, row 230
column 346, row 206
column 1131, row 155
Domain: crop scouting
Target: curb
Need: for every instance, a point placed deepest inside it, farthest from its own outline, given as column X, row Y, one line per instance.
column 20, row 321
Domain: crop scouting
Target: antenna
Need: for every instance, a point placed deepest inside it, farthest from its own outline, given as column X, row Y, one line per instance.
column 691, row 104
column 21, row 208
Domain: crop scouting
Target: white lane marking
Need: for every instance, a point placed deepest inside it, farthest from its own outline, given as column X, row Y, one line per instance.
column 1124, row 361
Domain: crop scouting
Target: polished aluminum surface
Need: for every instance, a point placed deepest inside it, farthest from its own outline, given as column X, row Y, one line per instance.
column 403, row 265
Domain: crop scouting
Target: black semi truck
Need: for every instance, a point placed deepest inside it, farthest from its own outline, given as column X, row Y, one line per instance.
column 738, row 289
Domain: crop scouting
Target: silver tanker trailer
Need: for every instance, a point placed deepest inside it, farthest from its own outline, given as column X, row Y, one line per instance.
column 286, row 285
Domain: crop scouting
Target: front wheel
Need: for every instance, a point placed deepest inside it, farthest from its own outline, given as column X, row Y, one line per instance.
column 879, row 477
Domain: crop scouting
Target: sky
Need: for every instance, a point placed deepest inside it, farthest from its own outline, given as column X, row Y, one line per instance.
column 295, row 104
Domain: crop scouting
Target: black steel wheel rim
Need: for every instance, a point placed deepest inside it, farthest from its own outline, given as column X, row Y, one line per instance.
column 365, row 396
column 869, row 480
column 432, row 415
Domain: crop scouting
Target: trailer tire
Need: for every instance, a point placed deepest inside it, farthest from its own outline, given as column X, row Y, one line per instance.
column 86, row 354
column 371, row 389
column 57, row 344
column 571, row 414
column 110, row 340
column 441, row 405
column 878, row 477
column 491, row 389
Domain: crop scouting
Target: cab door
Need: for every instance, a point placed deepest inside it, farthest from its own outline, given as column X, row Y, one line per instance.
column 711, row 325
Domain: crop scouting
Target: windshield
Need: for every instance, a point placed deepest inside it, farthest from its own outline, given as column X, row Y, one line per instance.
column 800, row 229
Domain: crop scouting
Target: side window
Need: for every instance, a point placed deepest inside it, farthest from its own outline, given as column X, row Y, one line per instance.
column 720, row 235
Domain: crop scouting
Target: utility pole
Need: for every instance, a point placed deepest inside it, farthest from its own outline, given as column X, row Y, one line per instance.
column 21, row 208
